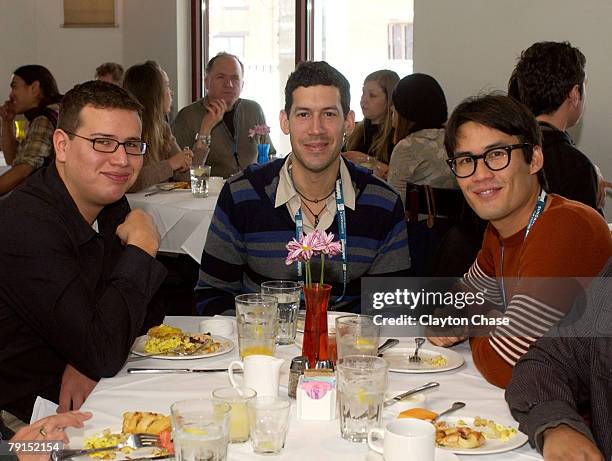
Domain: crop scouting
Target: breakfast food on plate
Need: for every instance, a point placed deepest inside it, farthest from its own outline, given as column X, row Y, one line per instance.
column 182, row 185
column 493, row 430
column 143, row 422
column 418, row 413
column 164, row 339
column 105, row 439
column 458, row 436
column 437, row 361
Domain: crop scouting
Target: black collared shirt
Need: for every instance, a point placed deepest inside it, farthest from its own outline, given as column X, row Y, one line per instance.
column 68, row 294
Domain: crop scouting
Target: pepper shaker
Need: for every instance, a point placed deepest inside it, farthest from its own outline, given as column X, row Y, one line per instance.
column 298, row 365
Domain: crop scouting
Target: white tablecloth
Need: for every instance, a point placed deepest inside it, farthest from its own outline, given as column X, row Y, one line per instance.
column 182, row 220
column 307, row 440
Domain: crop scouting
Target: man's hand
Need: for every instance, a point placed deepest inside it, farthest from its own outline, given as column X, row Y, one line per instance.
column 7, row 113
column 75, row 389
column 49, row 428
column 216, row 109
column 181, row 161
column 445, row 341
column 139, row 230
column 562, row 443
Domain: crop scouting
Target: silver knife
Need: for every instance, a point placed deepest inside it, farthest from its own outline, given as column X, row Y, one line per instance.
column 178, row 370
column 397, row 398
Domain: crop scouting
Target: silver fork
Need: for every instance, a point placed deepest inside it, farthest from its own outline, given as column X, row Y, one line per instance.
column 133, row 441
column 415, row 358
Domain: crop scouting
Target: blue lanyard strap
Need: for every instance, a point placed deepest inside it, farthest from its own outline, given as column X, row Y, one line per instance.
column 341, row 218
column 536, row 211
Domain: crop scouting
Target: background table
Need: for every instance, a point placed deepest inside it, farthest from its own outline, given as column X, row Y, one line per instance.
column 182, row 220
column 307, row 440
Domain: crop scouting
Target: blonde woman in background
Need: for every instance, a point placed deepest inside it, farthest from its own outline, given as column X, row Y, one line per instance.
column 371, row 142
column 164, row 159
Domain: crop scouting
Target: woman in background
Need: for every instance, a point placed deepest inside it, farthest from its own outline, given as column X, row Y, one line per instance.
column 371, row 142
column 34, row 94
column 419, row 156
column 164, row 159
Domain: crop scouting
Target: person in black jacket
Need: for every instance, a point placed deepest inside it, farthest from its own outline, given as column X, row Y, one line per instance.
column 550, row 79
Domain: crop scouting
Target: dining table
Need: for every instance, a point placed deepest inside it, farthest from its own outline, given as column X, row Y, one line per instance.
column 306, row 440
column 182, row 220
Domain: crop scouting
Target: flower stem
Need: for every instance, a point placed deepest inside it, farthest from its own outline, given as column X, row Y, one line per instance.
column 308, row 274
column 322, row 267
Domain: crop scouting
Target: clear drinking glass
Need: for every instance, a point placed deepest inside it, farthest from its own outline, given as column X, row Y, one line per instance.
column 256, row 317
column 200, row 430
column 357, row 335
column 288, row 295
column 199, row 180
column 237, row 398
column 362, row 381
column 269, row 422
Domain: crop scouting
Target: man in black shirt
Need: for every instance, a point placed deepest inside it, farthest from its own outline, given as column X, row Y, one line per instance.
column 550, row 79
column 78, row 268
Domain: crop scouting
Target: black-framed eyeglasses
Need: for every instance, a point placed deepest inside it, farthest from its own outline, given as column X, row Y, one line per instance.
column 496, row 158
column 109, row 146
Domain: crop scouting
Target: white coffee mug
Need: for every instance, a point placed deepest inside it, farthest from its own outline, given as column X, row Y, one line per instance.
column 217, row 326
column 261, row 372
column 404, row 439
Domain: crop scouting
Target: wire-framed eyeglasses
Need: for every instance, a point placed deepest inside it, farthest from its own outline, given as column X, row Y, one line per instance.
column 109, row 146
column 496, row 158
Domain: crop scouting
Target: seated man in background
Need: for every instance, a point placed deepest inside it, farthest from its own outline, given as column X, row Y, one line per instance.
column 494, row 145
column 78, row 267
column 550, row 79
column 565, row 372
column 110, row 72
column 221, row 120
column 34, row 94
column 264, row 207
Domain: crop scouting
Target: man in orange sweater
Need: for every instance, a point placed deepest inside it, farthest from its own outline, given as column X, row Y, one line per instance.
column 534, row 243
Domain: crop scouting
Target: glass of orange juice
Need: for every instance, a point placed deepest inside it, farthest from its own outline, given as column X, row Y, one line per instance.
column 256, row 317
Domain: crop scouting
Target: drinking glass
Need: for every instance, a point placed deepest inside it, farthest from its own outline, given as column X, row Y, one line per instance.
column 256, row 316
column 199, row 180
column 269, row 422
column 237, row 398
column 288, row 295
column 200, row 430
column 357, row 335
column 362, row 381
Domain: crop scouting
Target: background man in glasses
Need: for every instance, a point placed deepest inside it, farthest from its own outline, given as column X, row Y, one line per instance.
column 78, row 267
column 494, row 145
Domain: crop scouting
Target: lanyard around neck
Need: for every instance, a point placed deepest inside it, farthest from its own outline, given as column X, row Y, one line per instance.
column 341, row 218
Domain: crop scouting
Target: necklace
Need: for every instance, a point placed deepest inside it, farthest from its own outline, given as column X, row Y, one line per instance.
column 316, row 215
column 317, row 200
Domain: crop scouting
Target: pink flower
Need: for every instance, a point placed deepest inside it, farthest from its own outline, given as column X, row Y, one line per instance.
column 295, row 250
column 259, row 130
column 328, row 246
column 315, row 243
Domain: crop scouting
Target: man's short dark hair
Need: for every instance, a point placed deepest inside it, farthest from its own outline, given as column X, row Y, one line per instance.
column 95, row 93
column 312, row 73
column 545, row 74
column 222, row 54
column 111, row 68
column 502, row 113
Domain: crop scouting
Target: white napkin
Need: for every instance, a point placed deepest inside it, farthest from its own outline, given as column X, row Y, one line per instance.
column 42, row 409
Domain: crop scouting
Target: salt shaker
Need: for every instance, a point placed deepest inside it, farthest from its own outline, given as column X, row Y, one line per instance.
column 298, row 365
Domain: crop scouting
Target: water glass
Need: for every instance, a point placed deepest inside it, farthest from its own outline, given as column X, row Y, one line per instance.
column 256, row 317
column 357, row 335
column 237, row 398
column 362, row 381
column 269, row 422
column 288, row 295
column 200, row 430
column 199, row 180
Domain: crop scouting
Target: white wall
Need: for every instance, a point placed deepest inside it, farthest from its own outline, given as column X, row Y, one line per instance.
column 471, row 46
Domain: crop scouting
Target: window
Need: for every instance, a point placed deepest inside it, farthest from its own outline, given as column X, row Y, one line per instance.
column 400, row 41
column 231, row 43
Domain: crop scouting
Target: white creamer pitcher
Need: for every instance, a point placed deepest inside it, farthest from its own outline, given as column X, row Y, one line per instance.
column 261, row 373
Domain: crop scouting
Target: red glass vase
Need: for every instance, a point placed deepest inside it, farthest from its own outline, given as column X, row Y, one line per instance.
column 314, row 347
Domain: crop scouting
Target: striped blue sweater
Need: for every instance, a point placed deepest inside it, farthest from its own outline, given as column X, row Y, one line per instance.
column 247, row 236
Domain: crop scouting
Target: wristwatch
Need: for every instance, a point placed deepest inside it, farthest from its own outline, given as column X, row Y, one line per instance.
column 205, row 139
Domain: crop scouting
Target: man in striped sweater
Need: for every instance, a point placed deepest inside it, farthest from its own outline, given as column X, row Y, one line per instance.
column 259, row 209
column 534, row 241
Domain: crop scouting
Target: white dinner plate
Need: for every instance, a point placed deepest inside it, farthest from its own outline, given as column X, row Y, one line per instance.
column 397, row 358
column 491, row 446
column 439, row 455
column 171, row 186
column 226, row 346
